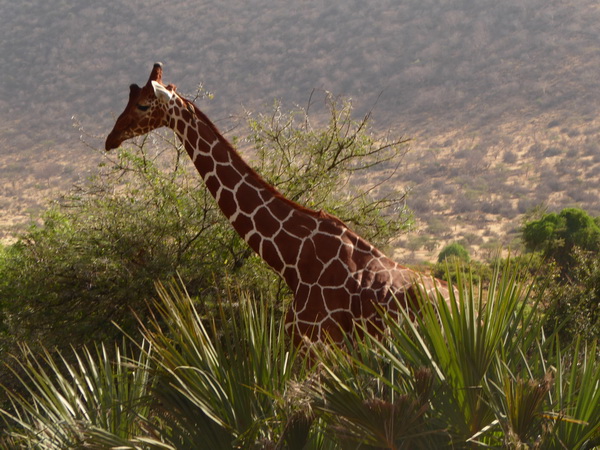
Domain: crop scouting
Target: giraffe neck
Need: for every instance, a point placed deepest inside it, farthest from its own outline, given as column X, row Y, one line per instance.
column 256, row 210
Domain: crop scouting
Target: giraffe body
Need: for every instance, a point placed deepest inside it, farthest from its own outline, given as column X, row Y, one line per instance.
column 337, row 277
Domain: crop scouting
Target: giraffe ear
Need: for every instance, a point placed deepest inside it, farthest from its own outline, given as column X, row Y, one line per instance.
column 161, row 92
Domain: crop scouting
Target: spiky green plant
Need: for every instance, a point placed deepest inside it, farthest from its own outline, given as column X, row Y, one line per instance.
column 473, row 372
column 493, row 377
column 576, row 397
column 223, row 378
column 96, row 399
column 368, row 401
column 462, row 340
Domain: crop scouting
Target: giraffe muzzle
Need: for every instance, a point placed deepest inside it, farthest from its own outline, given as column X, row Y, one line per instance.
column 112, row 141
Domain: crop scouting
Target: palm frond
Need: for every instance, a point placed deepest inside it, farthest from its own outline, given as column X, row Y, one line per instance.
column 67, row 401
column 577, row 397
column 221, row 375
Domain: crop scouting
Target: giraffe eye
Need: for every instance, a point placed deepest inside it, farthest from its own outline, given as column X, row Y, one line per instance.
column 142, row 107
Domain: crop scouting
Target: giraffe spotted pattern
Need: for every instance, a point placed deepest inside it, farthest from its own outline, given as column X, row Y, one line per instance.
column 337, row 277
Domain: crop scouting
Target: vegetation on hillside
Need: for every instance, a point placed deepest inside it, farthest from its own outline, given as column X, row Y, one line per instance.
column 569, row 243
column 556, row 236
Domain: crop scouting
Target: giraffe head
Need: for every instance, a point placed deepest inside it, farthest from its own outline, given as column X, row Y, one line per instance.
column 145, row 111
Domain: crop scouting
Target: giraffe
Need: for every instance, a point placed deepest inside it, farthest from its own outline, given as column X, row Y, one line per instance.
column 337, row 278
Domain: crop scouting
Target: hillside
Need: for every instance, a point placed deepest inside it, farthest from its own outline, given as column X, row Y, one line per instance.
column 501, row 98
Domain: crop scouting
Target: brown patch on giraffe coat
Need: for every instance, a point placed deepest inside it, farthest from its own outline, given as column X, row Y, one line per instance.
column 228, row 176
column 290, row 274
column 213, row 184
column 330, row 225
column 204, row 163
column 366, row 306
column 366, row 278
column 317, row 306
column 301, row 297
column 376, row 265
column 341, row 298
column 306, row 263
column 220, row 155
column 341, row 318
column 186, row 115
column 243, row 224
column 280, row 209
column 227, row 202
column 299, row 224
column 345, row 254
column 362, row 246
column 328, row 246
column 336, row 331
column 269, row 253
column 289, row 245
column 248, row 198
column 334, row 274
column 181, row 126
column 265, row 223
column 193, row 138
column 254, row 242
column 207, row 133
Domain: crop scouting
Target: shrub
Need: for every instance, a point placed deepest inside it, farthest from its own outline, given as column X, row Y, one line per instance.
column 575, row 311
column 556, row 235
column 454, row 250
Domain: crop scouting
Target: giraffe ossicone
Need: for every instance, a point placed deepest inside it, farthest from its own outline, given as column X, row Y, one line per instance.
column 338, row 278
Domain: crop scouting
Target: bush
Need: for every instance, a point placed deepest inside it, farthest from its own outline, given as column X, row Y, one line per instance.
column 570, row 242
column 575, row 311
column 557, row 235
column 454, row 251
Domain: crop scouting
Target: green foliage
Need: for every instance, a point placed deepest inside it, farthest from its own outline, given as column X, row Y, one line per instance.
column 477, row 371
column 455, row 258
column 556, row 235
column 575, row 310
column 570, row 241
column 102, row 397
column 222, row 384
column 93, row 259
column 228, row 383
column 370, row 398
column 454, row 250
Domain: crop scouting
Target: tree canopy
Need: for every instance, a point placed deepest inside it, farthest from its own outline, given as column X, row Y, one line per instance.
column 557, row 234
column 454, row 250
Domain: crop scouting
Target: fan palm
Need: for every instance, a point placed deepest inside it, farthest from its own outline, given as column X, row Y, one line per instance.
column 223, row 380
column 96, row 399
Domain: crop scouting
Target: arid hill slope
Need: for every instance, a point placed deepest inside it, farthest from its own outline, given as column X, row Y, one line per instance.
column 501, row 98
